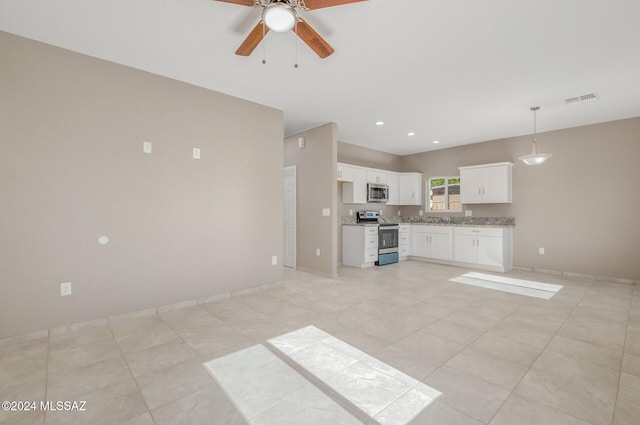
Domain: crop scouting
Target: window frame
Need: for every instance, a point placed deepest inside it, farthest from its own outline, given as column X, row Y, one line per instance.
column 446, row 195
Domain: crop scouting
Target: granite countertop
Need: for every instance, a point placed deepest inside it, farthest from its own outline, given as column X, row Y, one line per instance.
column 440, row 221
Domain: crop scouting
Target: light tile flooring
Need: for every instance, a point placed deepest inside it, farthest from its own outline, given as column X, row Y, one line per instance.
column 497, row 358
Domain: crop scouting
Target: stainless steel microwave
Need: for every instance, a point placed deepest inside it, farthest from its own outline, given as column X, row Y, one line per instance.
column 378, row 193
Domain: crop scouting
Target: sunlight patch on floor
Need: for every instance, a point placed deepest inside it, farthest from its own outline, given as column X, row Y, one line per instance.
column 267, row 390
column 508, row 284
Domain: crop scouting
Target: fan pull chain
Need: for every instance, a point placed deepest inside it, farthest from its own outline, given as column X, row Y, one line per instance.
column 296, row 34
column 264, row 44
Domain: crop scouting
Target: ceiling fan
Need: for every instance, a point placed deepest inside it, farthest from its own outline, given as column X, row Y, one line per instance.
column 282, row 16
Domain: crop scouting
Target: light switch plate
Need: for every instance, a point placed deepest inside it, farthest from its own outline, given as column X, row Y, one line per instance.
column 541, row 251
column 146, row 147
column 196, row 153
column 468, row 213
column 421, row 213
column 326, row 212
column 274, row 260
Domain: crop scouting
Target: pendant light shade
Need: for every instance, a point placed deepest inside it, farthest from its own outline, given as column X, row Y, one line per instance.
column 535, row 158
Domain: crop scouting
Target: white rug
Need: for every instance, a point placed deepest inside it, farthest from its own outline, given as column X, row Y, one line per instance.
column 528, row 288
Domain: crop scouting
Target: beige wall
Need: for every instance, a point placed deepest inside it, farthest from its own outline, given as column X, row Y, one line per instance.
column 72, row 169
column 316, row 189
column 581, row 206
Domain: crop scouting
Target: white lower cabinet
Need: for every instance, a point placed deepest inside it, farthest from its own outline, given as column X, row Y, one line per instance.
column 490, row 247
column 404, row 241
column 431, row 241
column 359, row 246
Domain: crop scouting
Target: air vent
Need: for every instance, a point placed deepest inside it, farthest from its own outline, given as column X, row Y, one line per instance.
column 585, row 98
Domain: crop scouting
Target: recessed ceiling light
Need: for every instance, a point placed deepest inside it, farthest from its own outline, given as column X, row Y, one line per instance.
column 436, row 141
column 411, row 134
column 380, row 123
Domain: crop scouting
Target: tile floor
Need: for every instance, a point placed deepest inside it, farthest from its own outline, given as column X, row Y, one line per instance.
column 497, row 358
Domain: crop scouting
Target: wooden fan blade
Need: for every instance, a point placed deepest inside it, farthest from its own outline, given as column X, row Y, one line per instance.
column 313, row 39
column 319, row 4
column 240, row 2
column 253, row 39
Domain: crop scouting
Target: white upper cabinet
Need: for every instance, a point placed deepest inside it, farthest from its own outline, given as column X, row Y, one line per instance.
column 376, row 176
column 345, row 173
column 404, row 188
column 393, row 181
column 355, row 192
column 410, row 189
column 486, row 184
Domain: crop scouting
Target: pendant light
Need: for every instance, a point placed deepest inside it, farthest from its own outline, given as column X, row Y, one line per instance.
column 535, row 158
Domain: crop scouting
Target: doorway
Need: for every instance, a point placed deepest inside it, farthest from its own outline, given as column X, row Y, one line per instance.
column 289, row 259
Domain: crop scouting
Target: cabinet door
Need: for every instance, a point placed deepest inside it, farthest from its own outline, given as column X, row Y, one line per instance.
column 420, row 244
column 376, row 176
column 440, row 246
column 393, row 180
column 345, row 173
column 410, row 189
column 496, row 184
column 489, row 251
column 356, row 191
column 464, row 249
column 471, row 186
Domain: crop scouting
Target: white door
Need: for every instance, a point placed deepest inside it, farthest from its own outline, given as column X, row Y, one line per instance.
column 289, row 259
column 440, row 246
column 489, row 251
column 494, row 184
column 464, row 248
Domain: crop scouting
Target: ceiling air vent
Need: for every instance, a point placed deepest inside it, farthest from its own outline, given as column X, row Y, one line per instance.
column 585, row 98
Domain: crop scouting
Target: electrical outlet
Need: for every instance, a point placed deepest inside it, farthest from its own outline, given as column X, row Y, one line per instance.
column 317, row 252
column 146, row 147
column 326, row 212
column 274, row 260
column 398, row 213
column 468, row 213
column 196, row 153
column 421, row 213
column 541, row 251
column 65, row 289
column 351, row 212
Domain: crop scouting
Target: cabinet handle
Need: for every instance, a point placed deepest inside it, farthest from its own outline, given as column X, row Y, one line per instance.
column 483, row 190
column 479, row 191
column 477, row 242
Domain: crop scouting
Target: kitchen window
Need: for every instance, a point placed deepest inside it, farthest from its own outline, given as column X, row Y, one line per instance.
column 443, row 194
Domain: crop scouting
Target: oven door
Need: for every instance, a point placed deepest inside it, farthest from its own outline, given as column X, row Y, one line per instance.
column 387, row 239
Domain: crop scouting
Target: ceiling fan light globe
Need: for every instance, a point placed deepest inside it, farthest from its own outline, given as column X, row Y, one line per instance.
column 279, row 17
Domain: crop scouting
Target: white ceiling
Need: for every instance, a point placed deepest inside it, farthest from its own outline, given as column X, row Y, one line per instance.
column 460, row 72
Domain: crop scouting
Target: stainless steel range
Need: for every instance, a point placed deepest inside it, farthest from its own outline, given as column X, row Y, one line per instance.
column 387, row 243
column 387, row 237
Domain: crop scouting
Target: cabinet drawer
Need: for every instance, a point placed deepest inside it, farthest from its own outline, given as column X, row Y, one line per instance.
column 478, row 231
column 371, row 242
column 371, row 255
column 371, row 230
column 403, row 239
column 423, row 228
column 403, row 251
column 404, row 228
